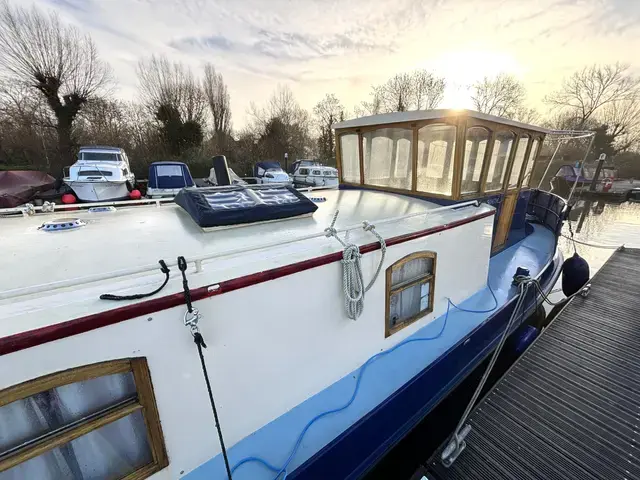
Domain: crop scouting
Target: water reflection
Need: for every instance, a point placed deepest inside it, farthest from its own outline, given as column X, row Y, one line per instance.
column 602, row 223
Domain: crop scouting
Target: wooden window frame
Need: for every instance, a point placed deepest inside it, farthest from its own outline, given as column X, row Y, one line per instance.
column 390, row 290
column 485, row 161
column 533, row 158
column 145, row 403
column 519, row 135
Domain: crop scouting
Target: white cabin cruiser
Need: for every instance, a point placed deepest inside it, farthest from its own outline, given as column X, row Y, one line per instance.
column 270, row 172
column 100, row 174
column 313, row 174
column 103, row 370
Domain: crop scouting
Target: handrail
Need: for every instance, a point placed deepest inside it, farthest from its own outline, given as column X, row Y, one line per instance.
column 144, row 201
column 17, row 292
column 75, row 206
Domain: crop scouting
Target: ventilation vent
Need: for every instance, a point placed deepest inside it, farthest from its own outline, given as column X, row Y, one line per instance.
column 62, row 224
column 102, row 209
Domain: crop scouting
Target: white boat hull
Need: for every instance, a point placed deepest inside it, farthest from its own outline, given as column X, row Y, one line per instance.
column 99, row 191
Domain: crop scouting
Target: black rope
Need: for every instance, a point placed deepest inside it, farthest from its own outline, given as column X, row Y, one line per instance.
column 163, row 268
column 182, row 266
column 199, row 341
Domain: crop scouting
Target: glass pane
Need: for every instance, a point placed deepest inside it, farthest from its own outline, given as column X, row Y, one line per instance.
column 518, row 161
column 350, row 158
column 110, row 452
column 532, row 160
column 436, row 147
column 499, row 159
column 425, row 288
column 387, row 158
column 408, row 303
column 476, row 146
column 169, row 170
column 411, row 270
column 33, row 416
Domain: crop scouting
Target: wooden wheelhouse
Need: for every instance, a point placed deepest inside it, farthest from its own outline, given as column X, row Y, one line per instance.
column 444, row 155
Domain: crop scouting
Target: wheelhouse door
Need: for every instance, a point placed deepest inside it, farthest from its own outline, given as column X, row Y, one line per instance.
column 512, row 191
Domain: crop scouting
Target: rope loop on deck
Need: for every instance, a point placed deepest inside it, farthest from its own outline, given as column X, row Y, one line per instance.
column 352, row 278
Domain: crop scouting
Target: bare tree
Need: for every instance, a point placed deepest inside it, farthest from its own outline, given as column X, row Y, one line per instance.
column 415, row 90
column 622, row 118
column 56, row 60
column 327, row 111
column 280, row 127
column 219, row 100
column 502, row 95
column 428, row 90
column 397, row 93
column 590, row 89
column 163, row 83
column 176, row 99
column 373, row 107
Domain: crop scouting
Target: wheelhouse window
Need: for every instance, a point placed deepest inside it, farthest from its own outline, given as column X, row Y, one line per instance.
column 526, row 179
column 387, row 158
column 350, row 157
column 518, row 161
column 499, row 160
column 410, row 286
column 304, row 171
column 97, row 421
column 436, row 147
column 475, row 149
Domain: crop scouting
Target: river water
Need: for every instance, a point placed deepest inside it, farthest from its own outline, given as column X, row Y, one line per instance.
column 603, row 224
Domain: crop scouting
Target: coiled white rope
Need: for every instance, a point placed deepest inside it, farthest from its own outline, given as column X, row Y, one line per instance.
column 352, row 279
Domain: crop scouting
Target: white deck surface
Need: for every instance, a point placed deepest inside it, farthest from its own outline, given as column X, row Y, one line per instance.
column 138, row 236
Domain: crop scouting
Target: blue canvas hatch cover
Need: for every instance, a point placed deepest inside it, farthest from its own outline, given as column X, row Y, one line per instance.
column 234, row 205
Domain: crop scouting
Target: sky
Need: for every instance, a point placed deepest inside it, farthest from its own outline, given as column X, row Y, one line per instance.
column 343, row 47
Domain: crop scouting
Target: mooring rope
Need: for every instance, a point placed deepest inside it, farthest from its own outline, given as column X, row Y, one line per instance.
column 352, row 278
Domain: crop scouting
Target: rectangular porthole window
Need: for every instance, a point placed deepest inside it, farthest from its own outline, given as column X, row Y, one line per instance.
column 96, row 421
column 410, row 285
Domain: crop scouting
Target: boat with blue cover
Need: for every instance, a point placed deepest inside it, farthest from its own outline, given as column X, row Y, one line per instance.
column 412, row 262
column 166, row 179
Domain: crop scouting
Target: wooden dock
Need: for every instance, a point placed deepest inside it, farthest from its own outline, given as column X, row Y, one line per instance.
column 569, row 408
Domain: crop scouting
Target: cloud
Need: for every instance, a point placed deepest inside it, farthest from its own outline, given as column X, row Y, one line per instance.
column 282, row 45
column 321, row 46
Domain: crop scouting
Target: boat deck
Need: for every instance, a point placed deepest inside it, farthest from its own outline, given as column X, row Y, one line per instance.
column 137, row 236
column 568, row 408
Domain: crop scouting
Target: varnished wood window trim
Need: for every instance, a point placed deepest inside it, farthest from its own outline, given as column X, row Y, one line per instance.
column 391, row 290
column 145, row 402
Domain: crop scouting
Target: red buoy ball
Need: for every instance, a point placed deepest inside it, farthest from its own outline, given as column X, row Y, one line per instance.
column 135, row 195
column 68, row 198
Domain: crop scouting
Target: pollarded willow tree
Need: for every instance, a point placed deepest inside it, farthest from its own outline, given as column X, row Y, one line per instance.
column 55, row 60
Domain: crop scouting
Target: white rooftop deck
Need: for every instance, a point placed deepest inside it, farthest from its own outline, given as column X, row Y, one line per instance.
column 116, row 242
